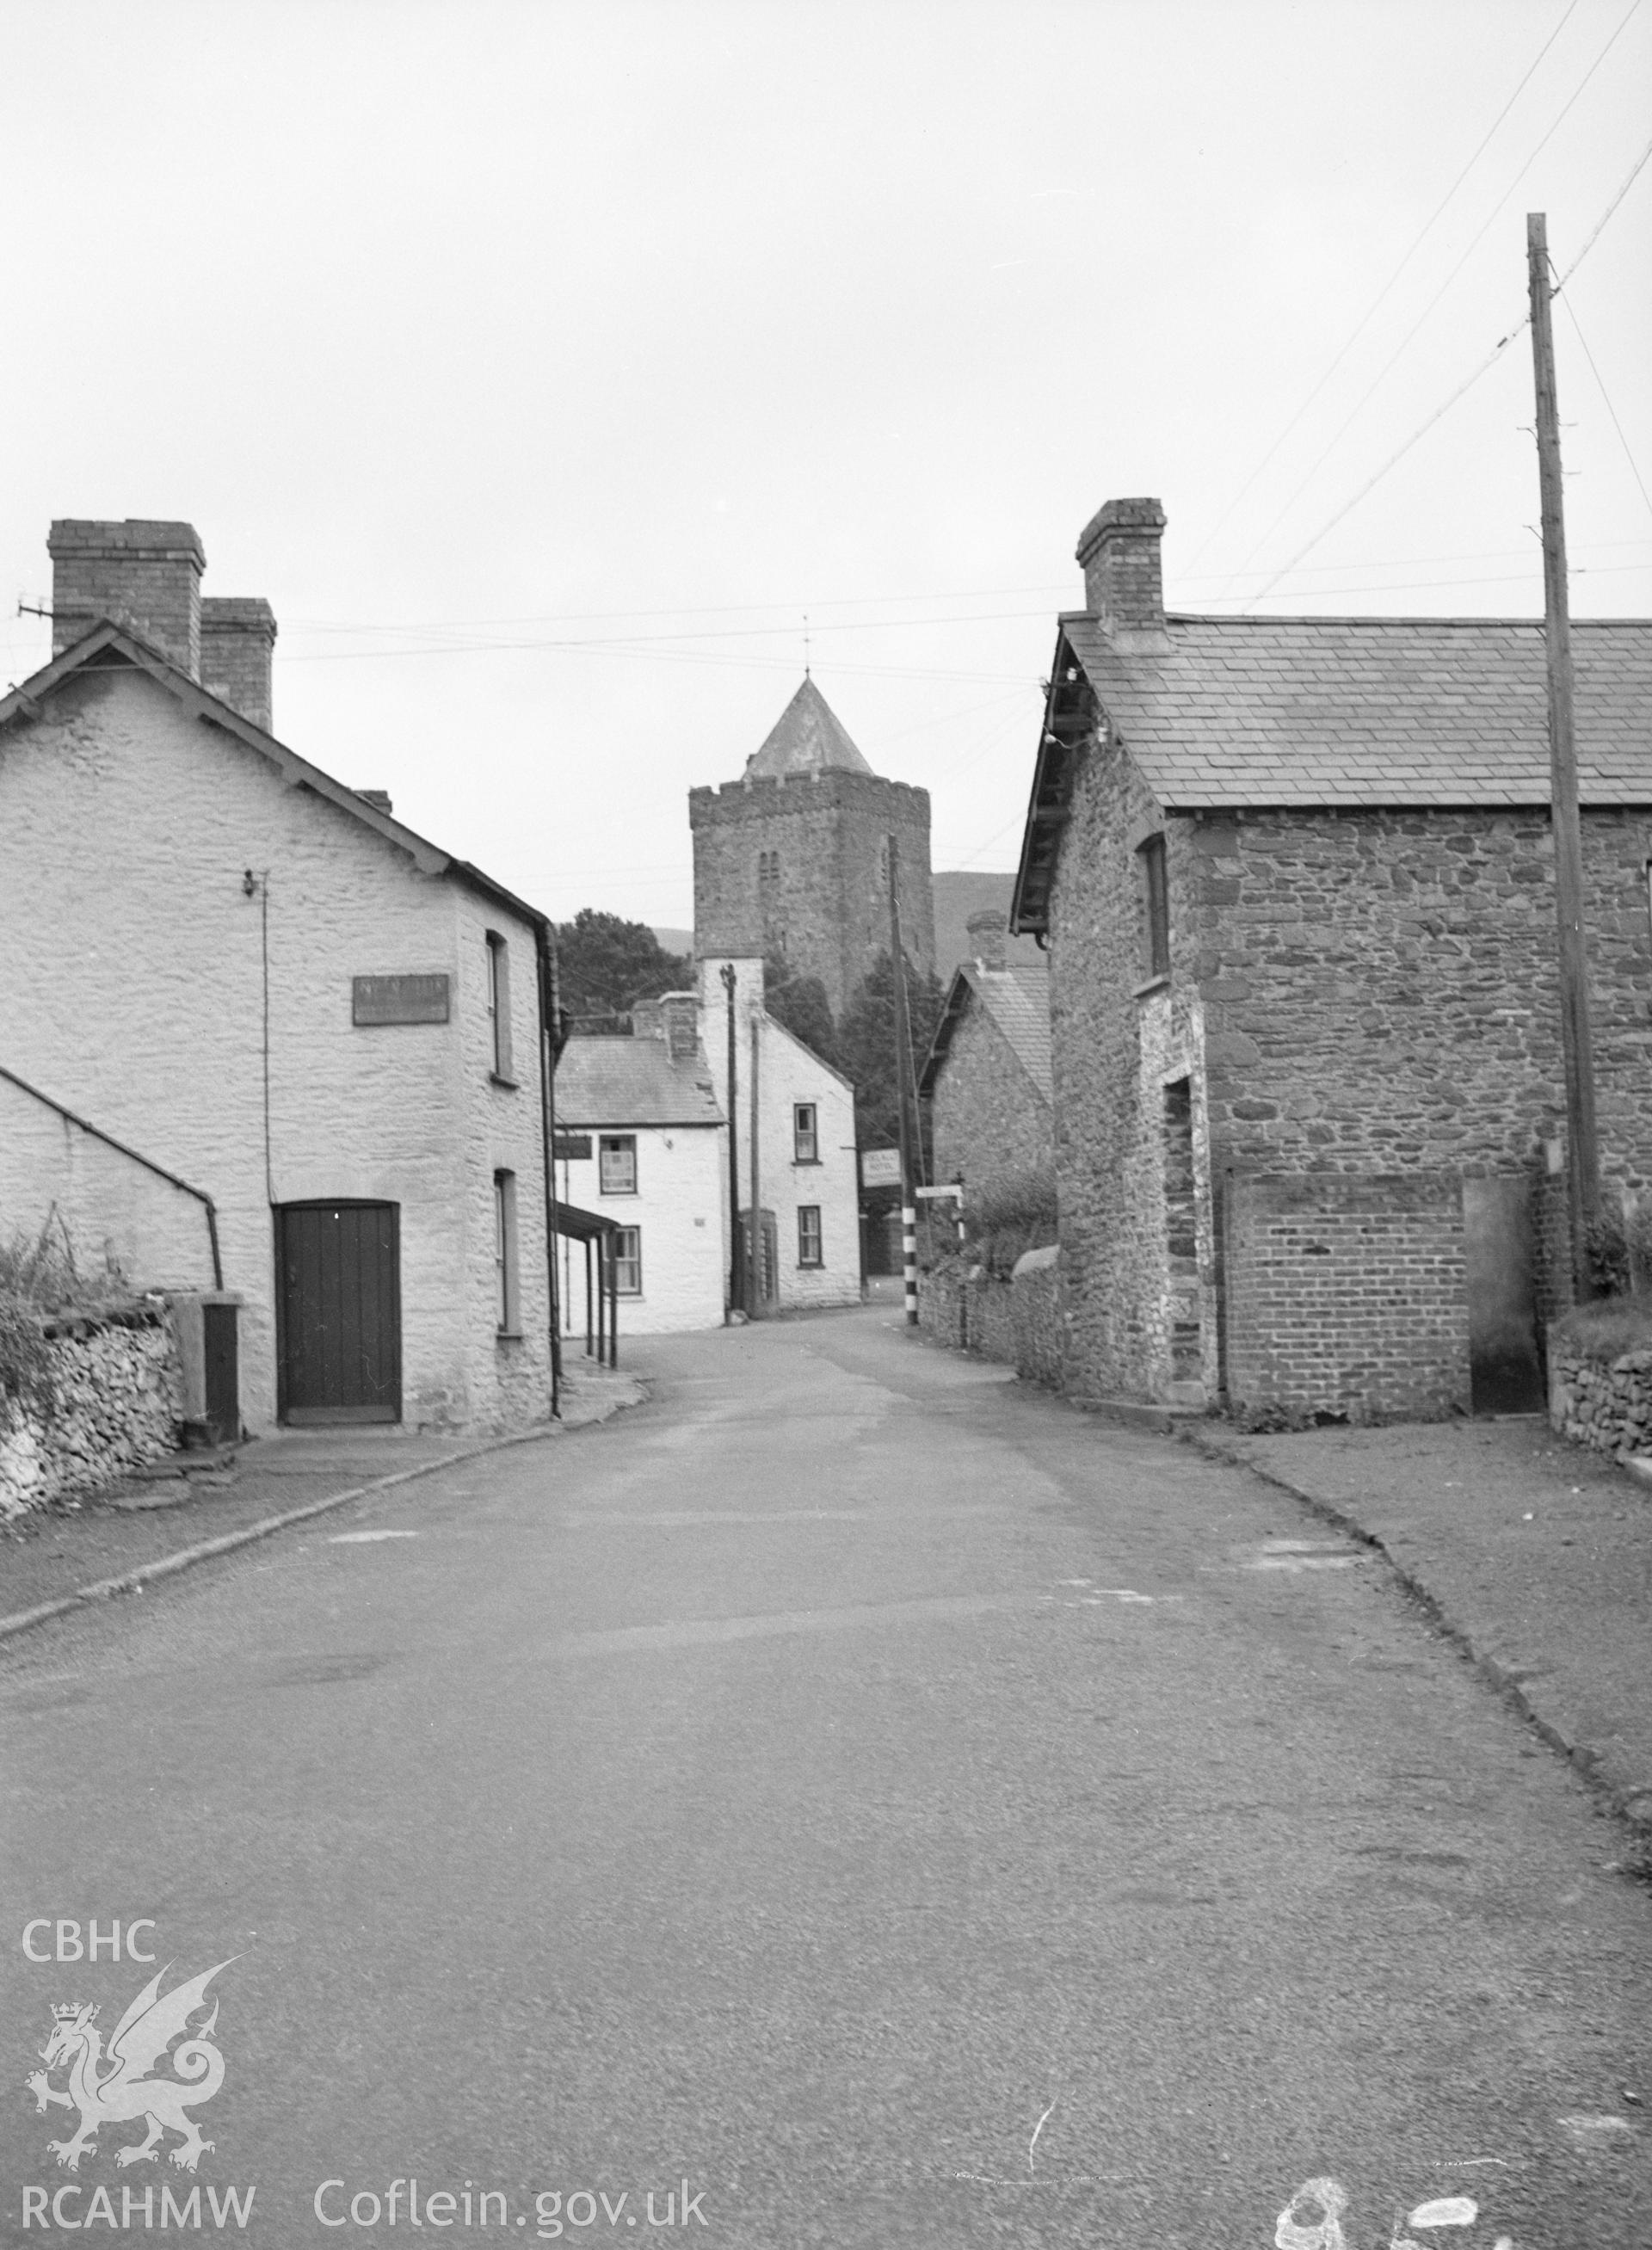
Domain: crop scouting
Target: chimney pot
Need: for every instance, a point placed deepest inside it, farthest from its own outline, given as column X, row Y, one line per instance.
column 1118, row 551
column 140, row 574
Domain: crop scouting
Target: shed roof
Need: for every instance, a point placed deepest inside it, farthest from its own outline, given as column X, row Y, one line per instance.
column 807, row 736
column 631, row 1081
column 1016, row 1000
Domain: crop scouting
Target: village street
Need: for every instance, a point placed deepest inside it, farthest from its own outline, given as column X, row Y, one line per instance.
column 850, row 1791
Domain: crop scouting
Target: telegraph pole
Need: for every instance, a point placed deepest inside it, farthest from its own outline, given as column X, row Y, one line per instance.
column 1583, row 1159
column 736, row 1263
column 903, row 1078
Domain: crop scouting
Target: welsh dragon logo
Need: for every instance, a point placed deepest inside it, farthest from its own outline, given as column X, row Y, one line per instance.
column 116, row 2089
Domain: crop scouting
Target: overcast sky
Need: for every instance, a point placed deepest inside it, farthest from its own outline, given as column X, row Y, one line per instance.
column 544, row 364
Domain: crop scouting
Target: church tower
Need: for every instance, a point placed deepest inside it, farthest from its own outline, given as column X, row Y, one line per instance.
column 793, row 859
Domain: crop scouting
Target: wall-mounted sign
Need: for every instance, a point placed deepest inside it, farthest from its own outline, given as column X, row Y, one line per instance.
column 880, row 1168
column 572, row 1148
column 399, row 1000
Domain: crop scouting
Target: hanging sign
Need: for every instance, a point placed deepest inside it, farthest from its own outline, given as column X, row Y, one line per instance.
column 880, row 1168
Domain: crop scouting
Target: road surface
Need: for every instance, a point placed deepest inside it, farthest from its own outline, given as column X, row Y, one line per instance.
column 852, row 1800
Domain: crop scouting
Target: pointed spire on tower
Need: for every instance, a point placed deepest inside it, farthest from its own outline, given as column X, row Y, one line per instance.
column 807, row 737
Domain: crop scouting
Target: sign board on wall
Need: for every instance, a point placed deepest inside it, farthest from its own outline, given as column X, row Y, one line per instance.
column 400, row 999
column 572, row 1148
column 880, row 1168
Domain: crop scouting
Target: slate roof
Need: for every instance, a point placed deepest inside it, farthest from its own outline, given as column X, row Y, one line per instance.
column 806, row 736
column 631, row 1081
column 1390, row 711
column 1332, row 714
column 1017, row 1000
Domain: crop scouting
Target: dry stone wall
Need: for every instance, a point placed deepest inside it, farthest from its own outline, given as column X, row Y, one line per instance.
column 1607, row 1404
column 112, row 1399
column 1015, row 1321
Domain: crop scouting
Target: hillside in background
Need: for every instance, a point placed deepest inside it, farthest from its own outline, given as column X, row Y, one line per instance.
column 957, row 896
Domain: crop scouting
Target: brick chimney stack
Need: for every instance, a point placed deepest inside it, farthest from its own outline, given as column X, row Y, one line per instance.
column 1118, row 552
column 139, row 574
column 238, row 639
column 986, row 931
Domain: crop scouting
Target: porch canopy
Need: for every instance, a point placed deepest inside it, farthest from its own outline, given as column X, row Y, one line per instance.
column 602, row 1288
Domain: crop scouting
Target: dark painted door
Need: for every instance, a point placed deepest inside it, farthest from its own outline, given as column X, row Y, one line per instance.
column 341, row 1312
column 1505, row 1376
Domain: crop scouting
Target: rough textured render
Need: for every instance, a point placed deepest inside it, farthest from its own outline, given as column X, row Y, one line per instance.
column 132, row 825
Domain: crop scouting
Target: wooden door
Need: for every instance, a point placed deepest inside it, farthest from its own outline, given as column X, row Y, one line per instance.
column 340, row 1312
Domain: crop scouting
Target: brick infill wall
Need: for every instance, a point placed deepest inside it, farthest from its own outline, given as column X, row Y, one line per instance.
column 111, row 1400
column 1347, row 1297
column 1607, row 1404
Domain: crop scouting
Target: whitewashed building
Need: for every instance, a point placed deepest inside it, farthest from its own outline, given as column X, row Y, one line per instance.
column 807, row 1188
column 640, row 1141
column 249, row 1018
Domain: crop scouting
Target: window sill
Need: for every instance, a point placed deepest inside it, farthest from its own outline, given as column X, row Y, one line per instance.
column 510, row 1085
column 615, row 1195
column 509, row 1336
column 1160, row 983
column 817, row 1266
column 804, row 1160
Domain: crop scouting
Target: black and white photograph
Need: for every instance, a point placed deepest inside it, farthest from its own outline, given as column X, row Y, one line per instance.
column 826, row 1124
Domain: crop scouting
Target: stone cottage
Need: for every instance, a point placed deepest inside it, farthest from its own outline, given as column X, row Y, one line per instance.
column 987, row 1074
column 309, row 1043
column 1295, row 876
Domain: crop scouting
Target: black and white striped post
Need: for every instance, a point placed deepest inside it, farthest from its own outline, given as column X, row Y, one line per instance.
column 903, row 1080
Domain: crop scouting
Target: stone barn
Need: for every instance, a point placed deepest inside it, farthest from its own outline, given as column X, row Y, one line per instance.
column 1295, row 878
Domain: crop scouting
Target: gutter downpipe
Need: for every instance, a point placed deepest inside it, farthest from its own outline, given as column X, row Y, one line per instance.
column 121, row 1148
column 550, row 1024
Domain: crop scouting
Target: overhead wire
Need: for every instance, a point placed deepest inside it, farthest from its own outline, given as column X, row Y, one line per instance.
column 1404, row 344
column 1605, row 395
column 1495, row 353
column 1381, row 297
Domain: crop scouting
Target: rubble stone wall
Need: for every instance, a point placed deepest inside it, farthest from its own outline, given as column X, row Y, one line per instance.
column 1607, row 1404
column 989, row 1117
column 113, row 1398
column 1015, row 1321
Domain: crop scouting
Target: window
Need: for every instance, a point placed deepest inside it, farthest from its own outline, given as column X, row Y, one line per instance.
column 805, row 1140
column 507, row 1287
column 617, row 1163
column 499, row 1008
column 628, row 1261
column 809, row 1234
column 1155, row 896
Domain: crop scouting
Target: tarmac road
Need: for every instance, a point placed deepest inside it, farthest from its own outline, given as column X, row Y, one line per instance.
column 900, row 1808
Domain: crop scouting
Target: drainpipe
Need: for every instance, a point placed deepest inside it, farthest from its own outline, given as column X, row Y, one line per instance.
column 550, row 1048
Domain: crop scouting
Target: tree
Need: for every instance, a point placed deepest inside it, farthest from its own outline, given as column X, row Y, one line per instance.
column 605, row 964
column 801, row 1004
column 865, row 1047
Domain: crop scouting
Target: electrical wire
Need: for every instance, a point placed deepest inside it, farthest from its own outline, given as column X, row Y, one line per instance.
column 1381, row 296
column 1495, row 353
column 1404, row 341
column 1635, row 466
